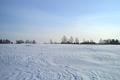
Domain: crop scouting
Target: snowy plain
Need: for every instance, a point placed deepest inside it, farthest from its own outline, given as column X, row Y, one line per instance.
column 59, row 62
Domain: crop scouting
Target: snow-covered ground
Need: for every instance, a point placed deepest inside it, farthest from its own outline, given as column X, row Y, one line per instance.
column 59, row 62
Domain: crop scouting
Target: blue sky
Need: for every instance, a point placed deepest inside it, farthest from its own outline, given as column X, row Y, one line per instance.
column 45, row 19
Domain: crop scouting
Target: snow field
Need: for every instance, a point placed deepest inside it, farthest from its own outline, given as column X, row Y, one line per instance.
column 59, row 62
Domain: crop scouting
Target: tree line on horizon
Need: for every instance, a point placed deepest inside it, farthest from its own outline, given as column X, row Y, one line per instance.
column 71, row 40
column 64, row 40
column 6, row 41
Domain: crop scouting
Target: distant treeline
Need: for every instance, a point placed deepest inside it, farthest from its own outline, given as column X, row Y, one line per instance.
column 64, row 40
column 109, row 41
column 6, row 41
column 25, row 42
column 71, row 40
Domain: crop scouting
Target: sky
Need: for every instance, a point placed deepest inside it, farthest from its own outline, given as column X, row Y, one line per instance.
column 51, row 19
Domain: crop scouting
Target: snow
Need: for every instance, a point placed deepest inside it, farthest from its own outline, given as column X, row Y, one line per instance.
column 59, row 62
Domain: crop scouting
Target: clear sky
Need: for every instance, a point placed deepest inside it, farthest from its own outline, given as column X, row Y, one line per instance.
column 45, row 19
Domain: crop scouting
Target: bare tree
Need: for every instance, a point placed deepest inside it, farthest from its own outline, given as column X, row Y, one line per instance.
column 51, row 42
column 34, row 42
column 76, row 41
column 64, row 40
column 71, row 40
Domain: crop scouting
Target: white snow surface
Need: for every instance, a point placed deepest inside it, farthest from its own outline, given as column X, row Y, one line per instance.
column 59, row 62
